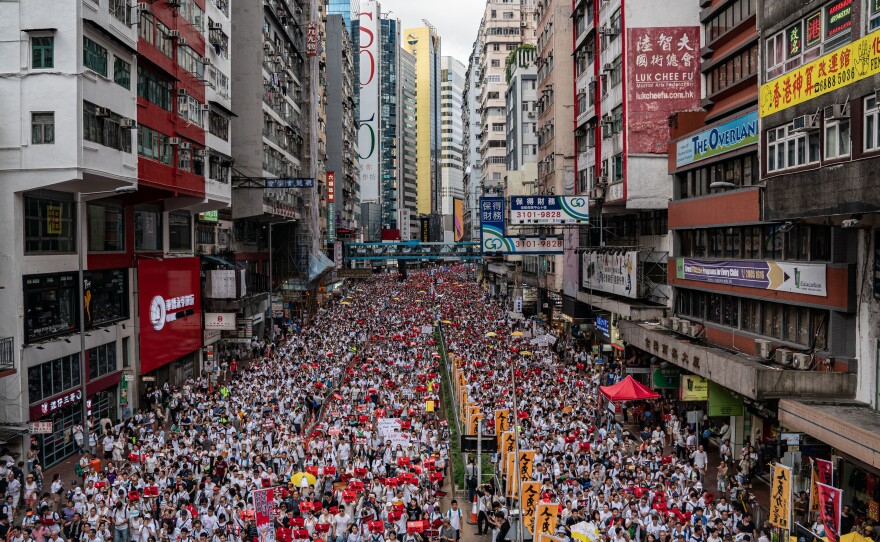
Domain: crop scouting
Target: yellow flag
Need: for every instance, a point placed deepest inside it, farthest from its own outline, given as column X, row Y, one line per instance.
column 780, row 497
column 546, row 516
column 510, row 472
column 429, row 406
column 531, row 495
column 526, row 464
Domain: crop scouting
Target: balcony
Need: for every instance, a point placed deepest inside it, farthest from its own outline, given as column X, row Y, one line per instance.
column 7, row 356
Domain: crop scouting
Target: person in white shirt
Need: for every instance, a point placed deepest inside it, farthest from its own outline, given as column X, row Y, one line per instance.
column 454, row 516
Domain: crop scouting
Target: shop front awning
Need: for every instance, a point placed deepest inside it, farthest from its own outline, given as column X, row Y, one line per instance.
column 853, row 428
column 319, row 265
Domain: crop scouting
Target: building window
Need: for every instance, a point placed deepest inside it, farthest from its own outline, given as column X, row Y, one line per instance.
column 122, row 73
column 147, row 27
column 148, row 230
column 788, row 147
column 106, row 296
column 728, row 18
column 42, row 52
column 190, row 61
column 733, row 70
column 50, row 306
column 180, row 231
column 94, row 56
column 218, row 125
column 618, row 167
column 190, row 11
column 616, row 72
column 106, row 228
column 42, row 128
column 872, row 124
column 102, row 360
column 164, row 42
column 53, row 378
column 103, row 127
column 874, row 16
column 837, row 139
column 120, row 10
column 806, row 39
column 154, row 145
column 154, row 89
column 48, row 225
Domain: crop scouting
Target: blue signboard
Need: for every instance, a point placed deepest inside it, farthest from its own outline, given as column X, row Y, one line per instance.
column 295, row 182
column 549, row 210
column 723, row 138
column 494, row 239
column 602, row 327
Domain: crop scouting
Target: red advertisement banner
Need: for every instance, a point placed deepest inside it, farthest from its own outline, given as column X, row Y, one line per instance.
column 170, row 305
column 663, row 76
column 264, row 500
column 829, row 510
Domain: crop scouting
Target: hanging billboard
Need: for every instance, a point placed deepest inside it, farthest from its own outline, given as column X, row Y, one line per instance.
column 368, row 123
column 797, row 278
column 611, row 272
column 664, row 65
column 494, row 240
column 549, row 210
column 458, row 218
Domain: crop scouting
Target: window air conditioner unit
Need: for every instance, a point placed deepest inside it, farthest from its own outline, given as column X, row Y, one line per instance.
column 676, row 325
column 181, row 92
column 201, row 152
column 184, row 145
column 837, row 111
column 608, row 67
column 215, row 26
column 801, row 361
column 174, row 141
column 127, row 123
column 597, row 192
column 205, row 60
column 174, row 3
column 174, row 34
column 804, row 123
column 762, row 348
column 102, row 112
column 685, row 327
column 181, row 42
column 877, row 97
column 783, row 356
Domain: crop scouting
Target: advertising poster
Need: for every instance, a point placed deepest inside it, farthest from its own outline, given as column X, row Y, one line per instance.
column 829, row 510
column 493, row 238
column 780, row 497
column 851, row 63
column 664, row 64
column 549, row 210
column 263, row 514
column 615, row 273
column 723, row 402
column 798, row 278
column 730, row 136
column 694, row 388
column 458, row 218
column 368, row 123
column 170, row 306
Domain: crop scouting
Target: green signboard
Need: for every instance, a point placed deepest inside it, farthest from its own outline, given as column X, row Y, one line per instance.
column 208, row 216
column 666, row 379
column 723, row 402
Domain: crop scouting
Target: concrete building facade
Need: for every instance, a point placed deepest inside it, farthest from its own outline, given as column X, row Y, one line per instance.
column 452, row 79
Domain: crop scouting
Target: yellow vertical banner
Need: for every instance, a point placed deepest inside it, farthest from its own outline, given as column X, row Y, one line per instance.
column 546, row 516
column 508, row 443
column 526, row 464
column 531, row 496
column 510, row 474
column 474, row 417
column 502, row 421
column 814, row 491
column 780, row 497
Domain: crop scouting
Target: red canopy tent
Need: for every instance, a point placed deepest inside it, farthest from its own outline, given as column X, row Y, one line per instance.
column 628, row 389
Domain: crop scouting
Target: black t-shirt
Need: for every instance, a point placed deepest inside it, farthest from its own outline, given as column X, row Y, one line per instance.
column 502, row 531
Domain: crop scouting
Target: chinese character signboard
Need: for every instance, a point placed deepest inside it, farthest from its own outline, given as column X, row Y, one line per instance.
column 263, row 514
column 780, row 497
column 844, row 66
column 615, row 273
column 813, row 30
column 829, row 510
column 531, row 495
column 40, row 428
column 368, row 123
column 730, row 136
column 493, row 238
column 664, row 63
column 291, row 182
column 548, row 210
column 331, row 206
column 208, row 216
column 797, row 278
column 546, row 516
column 838, row 17
column 53, row 219
column 312, row 39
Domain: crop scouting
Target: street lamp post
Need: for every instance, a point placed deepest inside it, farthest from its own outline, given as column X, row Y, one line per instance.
column 81, row 248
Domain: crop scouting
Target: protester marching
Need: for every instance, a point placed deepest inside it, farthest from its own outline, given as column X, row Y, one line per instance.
column 339, row 433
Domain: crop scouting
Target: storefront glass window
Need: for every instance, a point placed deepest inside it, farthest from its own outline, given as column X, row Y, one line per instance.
column 53, row 377
column 50, row 306
column 60, row 444
column 102, row 360
column 106, row 296
column 106, row 228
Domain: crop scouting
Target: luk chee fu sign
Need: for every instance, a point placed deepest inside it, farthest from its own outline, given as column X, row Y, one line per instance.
column 664, row 63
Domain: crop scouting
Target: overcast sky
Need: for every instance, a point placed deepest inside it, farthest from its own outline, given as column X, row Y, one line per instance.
column 456, row 20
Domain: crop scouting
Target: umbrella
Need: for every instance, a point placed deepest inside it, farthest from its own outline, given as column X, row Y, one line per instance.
column 526, row 353
column 517, row 334
column 345, row 303
column 491, row 334
column 297, row 478
column 422, row 292
column 446, row 322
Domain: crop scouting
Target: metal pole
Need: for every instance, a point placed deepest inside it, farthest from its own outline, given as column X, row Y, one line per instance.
column 270, row 320
column 81, row 248
column 479, row 452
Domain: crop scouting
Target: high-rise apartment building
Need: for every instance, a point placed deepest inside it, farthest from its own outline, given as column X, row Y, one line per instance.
column 424, row 44
column 342, row 132
column 408, row 161
column 390, row 123
column 452, row 194
column 472, row 135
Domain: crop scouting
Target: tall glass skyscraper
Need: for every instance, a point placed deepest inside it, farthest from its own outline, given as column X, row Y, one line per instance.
column 347, row 8
column 389, row 127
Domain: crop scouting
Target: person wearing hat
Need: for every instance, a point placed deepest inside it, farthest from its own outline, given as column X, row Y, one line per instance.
column 447, row 533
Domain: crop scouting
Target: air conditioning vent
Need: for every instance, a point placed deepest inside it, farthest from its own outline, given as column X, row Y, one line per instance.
column 801, row 361
column 182, row 42
column 185, row 145
column 201, row 152
column 608, row 67
column 182, row 92
column 127, row 123
column 666, row 323
column 102, row 112
column 685, row 327
column 174, row 141
column 676, row 325
column 783, row 356
column 174, row 3
column 804, row 123
column 174, row 34
column 837, row 111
